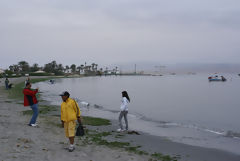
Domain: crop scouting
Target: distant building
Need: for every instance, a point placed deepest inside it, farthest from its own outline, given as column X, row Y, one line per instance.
column 88, row 71
column 68, row 71
column 112, row 72
column 40, row 71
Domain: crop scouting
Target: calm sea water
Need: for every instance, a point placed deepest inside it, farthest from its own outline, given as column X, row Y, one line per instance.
column 183, row 108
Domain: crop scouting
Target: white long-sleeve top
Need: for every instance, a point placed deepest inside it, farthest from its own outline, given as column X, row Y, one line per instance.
column 124, row 104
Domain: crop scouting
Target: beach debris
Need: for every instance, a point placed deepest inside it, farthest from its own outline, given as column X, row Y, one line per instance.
column 232, row 134
column 44, row 149
column 84, row 103
column 26, row 147
column 24, row 140
column 133, row 132
column 97, row 106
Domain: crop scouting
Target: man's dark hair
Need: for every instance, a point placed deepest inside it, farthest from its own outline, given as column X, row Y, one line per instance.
column 28, row 83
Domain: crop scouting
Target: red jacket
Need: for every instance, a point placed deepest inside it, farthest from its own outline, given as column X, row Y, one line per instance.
column 30, row 97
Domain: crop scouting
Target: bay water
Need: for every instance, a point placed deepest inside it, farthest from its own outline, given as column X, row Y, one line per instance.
column 183, row 108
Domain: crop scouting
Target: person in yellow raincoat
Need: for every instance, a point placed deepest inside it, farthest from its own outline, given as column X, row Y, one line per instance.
column 70, row 112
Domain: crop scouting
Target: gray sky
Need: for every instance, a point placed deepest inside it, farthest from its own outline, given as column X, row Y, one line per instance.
column 117, row 32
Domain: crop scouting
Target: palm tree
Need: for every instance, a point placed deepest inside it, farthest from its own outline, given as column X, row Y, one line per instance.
column 73, row 67
column 11, row 68
column 93, row 65
column 106, row 70
column 79, row 69
column 35, row 67
column 96, row 67
column 60, row 68
column 16, row 68
column 66, row 68
column 53, row 64
column 24, row 66
column 82, row 67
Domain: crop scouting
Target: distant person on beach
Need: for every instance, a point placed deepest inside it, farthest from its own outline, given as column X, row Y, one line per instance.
column 124, row 110
column 223, row 78
column 30, row 99
column 6, row 83
column 70, row 112
column 27, row 80
column 51, row 81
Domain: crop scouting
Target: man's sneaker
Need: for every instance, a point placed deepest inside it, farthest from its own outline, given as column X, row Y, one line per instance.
column 119, row 130
column 33, row 125
column 71, row 148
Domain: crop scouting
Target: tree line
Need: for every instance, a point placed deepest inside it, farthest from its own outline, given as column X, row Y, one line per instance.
column 23, row 67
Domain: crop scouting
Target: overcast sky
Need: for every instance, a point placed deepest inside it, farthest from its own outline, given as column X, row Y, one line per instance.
column 117, row 32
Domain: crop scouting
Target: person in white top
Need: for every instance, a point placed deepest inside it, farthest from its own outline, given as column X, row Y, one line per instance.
column 124, row 110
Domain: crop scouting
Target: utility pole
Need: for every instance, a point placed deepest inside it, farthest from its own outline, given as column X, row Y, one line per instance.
column 135, row 69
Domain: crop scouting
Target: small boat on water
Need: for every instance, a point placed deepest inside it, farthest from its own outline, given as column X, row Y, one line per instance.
column 217, row 78
column 156, row 75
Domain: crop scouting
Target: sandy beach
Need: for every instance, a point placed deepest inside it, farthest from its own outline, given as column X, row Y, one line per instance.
column 47, row 142
column 21, row 142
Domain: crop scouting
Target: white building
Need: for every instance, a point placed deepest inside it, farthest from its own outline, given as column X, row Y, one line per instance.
column 68, row 71
column 40, row 71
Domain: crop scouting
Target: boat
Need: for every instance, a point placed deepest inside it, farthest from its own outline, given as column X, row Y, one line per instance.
column 156, row 75
column 217, row 78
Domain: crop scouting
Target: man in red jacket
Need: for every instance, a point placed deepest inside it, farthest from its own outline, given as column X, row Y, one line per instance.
column 30, row 99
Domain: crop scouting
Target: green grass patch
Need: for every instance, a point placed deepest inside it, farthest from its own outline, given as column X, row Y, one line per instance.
column 93, row 136
column 43, row 109
column 99, row 138
column 16, row 91
column 8, row 101
column 162, row 157
column 94, row 121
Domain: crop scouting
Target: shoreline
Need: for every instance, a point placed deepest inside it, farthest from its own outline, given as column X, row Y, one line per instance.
column 150, row 144
column 21, row 142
